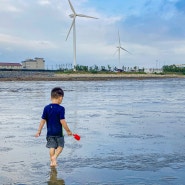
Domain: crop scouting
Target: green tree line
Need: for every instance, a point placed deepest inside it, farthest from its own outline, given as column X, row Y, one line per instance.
column 95, row 69
column 173, row 69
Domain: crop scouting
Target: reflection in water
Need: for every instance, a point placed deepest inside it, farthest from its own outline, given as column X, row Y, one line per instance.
column 53, row 178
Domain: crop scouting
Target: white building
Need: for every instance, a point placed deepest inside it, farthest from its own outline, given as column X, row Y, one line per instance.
column 180, row 65
column 37, row 63
column 153, row 70
column 9, row 65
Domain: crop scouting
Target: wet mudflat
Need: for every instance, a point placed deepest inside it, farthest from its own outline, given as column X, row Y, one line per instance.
column 132, row 132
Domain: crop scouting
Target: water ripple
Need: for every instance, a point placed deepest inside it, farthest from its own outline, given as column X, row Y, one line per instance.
column 140, row 162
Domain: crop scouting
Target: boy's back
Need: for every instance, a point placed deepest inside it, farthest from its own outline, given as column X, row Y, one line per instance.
column 53, row 113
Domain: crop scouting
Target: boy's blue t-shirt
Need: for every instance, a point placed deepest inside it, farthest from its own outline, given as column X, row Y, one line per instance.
column 53, row 113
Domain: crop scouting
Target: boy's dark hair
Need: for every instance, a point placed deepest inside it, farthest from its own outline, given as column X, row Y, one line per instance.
column 57, row 92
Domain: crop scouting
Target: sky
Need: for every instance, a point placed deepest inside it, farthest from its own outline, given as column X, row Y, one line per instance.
column 152, row 31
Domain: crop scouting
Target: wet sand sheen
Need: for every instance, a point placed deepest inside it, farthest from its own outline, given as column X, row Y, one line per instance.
column 132, row 132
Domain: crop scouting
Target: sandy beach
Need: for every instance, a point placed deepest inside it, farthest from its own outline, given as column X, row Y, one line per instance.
column 116, row 76
column 52, row 76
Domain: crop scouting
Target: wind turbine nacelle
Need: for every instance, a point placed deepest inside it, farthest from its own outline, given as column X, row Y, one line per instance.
column 72, row 15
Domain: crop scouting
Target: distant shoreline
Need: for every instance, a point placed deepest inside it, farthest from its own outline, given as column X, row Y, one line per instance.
column 39, row 76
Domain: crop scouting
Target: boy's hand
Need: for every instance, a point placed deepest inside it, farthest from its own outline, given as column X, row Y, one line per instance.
column 38, row 134
column 69, row 133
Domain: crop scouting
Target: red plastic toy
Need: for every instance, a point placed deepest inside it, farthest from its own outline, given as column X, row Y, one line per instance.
column 76, row 136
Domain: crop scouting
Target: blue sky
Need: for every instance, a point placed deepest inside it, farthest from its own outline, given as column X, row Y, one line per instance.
column 152, row 30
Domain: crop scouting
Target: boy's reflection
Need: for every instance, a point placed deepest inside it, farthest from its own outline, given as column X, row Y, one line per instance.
column 53, row 178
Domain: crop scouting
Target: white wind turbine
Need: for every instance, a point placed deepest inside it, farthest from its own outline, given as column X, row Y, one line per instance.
column 73, row 16
column 119, row 48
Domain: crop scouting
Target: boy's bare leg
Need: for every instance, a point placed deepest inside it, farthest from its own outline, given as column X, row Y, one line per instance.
column 58, row 151
column 52, row 153
column 56, row 154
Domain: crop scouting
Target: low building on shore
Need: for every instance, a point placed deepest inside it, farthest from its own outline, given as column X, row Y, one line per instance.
column 32, row 64
column 153, row 70
column 180, row 65
column 10, row 65
column 36, row 64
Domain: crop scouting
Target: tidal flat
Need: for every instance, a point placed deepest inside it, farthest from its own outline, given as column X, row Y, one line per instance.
column 132, row 132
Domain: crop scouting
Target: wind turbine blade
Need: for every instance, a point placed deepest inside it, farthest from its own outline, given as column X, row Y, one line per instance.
column 116, row 51
column 70, row 28
column 81, row 15
column 119, row 39
column 72, row 7
column 124, row 49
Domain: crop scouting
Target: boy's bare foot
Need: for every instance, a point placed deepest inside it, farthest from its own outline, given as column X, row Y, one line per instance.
column 51, row 164
column 53, row 161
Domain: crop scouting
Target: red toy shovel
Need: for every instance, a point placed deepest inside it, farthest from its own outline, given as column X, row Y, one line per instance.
column 76, row 136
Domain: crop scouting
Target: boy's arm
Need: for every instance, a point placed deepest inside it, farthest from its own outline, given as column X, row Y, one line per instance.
column 64, row 124
column 42, row 122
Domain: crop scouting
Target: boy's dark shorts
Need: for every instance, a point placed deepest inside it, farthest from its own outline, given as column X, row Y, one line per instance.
column 55, row 142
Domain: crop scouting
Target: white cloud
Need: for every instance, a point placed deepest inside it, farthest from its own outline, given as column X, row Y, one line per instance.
column 44, row 2
column 6, row 7
column 25, row 43
column 110, row 20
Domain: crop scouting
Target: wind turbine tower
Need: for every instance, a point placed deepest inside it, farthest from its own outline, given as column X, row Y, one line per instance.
column 119, row 48
column 73, row 25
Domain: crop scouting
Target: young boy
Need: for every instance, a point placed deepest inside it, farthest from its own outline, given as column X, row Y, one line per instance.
column 54, row 116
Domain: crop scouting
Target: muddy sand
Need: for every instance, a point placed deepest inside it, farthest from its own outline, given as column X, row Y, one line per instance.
column 81, row 77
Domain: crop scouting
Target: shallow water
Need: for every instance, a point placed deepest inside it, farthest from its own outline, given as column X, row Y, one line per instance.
column 132, row 132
